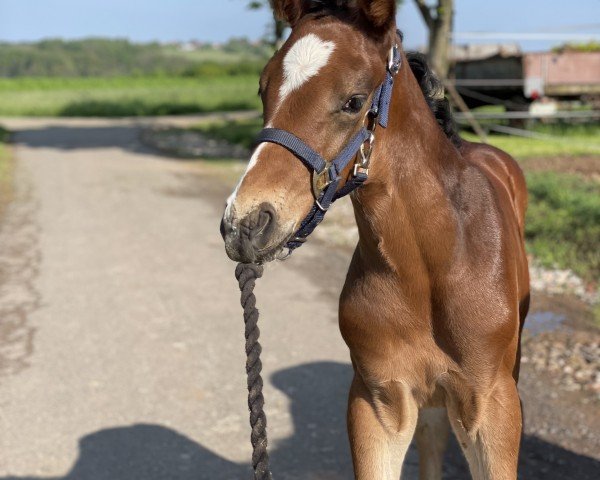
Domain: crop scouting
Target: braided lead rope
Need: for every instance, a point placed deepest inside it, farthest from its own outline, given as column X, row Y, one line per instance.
column 246, row 275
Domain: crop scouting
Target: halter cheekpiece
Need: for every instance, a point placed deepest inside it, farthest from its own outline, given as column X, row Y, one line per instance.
column 326, row 175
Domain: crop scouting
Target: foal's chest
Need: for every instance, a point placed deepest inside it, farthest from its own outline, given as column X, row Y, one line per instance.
column 388, row 340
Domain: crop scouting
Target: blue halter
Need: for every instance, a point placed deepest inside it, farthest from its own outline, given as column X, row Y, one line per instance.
column 326, row 175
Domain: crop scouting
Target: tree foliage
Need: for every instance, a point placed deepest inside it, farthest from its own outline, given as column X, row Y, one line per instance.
column 591, row 46
column 99, row 57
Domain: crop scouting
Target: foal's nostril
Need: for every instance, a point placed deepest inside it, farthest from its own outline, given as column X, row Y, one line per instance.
column 265, row 225
column 266, row 215
column 223, row 228
column 257, row 228
column 248, row 239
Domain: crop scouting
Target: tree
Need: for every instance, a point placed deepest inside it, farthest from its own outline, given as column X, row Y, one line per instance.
column 439, row 19
column 278, row 27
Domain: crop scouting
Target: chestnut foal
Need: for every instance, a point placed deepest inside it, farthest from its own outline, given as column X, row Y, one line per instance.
column 438, row 287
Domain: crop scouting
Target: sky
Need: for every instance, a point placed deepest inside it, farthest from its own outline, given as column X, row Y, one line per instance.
column 218, row 20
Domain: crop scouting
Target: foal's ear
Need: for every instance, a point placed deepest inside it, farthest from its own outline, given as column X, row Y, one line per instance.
column 381, row 14
column 290, row 11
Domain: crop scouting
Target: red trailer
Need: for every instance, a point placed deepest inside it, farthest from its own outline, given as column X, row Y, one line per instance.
column 505, row 75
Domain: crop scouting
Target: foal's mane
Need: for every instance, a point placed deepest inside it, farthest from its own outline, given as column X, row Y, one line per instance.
column 434, row 93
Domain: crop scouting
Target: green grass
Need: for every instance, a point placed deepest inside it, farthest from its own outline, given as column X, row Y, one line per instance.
column 126, row 96
column 576, row 142
column 241, row 132
column 582, row 140
column 216, row 56
column 563, row 222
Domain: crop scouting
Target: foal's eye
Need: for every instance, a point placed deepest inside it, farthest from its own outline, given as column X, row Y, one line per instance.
column 355, row 104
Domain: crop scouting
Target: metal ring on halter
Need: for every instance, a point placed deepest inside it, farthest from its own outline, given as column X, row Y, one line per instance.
column 320, row 207
column 370, row 121
column 366, row 151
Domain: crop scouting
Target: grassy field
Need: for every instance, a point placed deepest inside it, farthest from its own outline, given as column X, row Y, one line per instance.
column 216, row 56
column 564, row 142
column 126, row 96
column 563, row 223
column 557, row 142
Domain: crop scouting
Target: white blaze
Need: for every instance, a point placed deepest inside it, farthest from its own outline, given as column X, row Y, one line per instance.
column 303, row 61
column 251, row 163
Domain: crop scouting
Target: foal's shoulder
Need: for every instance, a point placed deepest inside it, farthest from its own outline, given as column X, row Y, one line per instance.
column 489, row 157
column 497, row 164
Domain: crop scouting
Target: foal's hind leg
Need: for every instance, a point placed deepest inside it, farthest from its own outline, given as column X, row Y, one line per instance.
column 431, row 437
column 492, row 446
column 380, row 427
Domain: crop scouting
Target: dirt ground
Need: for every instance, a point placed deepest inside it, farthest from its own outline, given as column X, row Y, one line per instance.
column 122, row 345
column 588, row 166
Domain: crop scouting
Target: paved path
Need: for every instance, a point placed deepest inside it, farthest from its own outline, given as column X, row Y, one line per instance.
column 123, row 356
column 121, row 338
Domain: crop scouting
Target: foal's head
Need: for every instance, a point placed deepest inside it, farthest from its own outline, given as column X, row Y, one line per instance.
column 318, row 87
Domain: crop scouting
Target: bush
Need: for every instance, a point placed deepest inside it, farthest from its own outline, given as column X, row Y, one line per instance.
column 563, row 222
column 591, row 46
column 239, row 132
column 102, row 57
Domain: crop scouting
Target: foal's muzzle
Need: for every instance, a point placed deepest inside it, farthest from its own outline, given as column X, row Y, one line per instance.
column 254, row 237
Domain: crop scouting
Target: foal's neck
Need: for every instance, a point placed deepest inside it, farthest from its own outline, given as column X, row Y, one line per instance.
column 404, row 214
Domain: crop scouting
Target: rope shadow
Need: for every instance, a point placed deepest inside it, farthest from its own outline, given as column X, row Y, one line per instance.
column 317, row 450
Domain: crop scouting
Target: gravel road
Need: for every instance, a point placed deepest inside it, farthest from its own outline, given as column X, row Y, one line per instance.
column 121, row 349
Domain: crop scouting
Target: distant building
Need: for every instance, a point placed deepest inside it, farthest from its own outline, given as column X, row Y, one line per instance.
column 566, row 74
column 503, row 74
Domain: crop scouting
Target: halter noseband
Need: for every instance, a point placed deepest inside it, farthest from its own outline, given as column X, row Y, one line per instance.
column 326, row 175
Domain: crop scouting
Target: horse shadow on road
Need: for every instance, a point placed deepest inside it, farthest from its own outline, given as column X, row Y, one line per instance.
column 317, row 450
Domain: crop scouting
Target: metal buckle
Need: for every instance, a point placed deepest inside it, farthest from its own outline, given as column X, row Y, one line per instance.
column 320, row 181
column 393, row 65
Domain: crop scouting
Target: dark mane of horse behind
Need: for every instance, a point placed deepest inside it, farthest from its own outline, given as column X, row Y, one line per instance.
column 433, row 91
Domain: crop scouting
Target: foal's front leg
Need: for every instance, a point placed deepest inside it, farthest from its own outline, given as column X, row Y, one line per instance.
column 381, row 425
column 492, row 448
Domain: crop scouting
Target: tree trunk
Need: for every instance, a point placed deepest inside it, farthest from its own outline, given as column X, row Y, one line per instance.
column 278, row 32
column 440, row 33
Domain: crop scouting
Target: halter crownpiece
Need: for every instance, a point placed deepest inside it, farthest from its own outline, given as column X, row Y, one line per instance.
column 326, row 174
